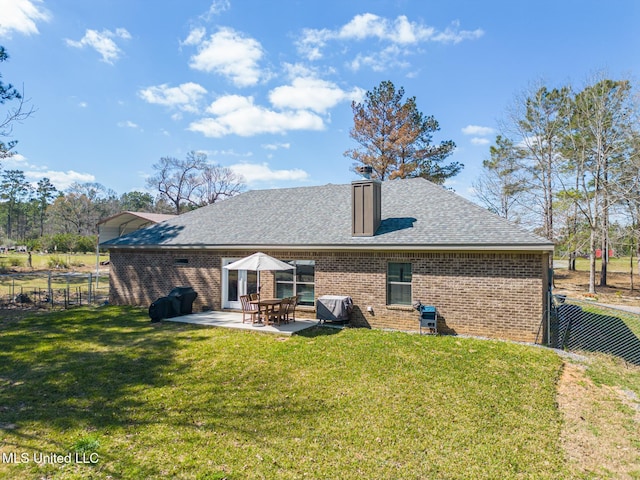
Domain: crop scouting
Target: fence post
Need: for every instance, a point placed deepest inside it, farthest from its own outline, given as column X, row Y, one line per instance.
column 549, row 318
column 90, row 284
column 49, row 291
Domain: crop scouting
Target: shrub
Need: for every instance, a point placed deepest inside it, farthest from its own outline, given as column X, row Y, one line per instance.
column 16, row 261
column 57, row 261
column 69, row 242
column 85, row 244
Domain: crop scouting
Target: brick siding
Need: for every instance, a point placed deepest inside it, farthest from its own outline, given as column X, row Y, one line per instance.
column 498, row 295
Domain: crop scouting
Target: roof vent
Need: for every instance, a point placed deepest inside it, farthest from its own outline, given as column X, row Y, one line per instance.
column 365, row 171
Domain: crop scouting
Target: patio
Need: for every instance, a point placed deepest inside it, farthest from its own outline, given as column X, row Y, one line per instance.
column 228, row 319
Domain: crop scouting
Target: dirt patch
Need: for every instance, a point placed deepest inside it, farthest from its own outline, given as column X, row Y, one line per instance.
column 599, row 436
column 618, row 291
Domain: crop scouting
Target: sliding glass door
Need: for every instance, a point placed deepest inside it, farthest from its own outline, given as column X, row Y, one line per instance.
column 236, row 283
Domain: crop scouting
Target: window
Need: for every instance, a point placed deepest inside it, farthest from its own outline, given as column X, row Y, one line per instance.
column 181, row 261
column 299, row 281
column 399, row 284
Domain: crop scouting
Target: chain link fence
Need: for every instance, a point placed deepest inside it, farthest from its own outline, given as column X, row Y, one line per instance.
column 581, row 325
column 52, row 290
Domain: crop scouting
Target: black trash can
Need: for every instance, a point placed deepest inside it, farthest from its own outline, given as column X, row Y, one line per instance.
column 185, row 297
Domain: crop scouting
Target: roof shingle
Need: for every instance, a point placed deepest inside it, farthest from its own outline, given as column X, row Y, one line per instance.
column 415, row 214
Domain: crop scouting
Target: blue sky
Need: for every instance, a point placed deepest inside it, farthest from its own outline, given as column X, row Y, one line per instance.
column 265, row 87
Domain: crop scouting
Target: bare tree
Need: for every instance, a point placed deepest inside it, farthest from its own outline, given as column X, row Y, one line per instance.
column 193, row 182
column 501, row 185
column 604, row 119
column 81, row 207
column 219, row 183
column 176, row 180
column 536, row 124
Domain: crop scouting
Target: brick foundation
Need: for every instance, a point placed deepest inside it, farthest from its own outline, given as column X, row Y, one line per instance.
column 498, row 295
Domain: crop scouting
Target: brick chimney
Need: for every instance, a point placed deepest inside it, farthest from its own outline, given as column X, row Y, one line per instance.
column 365, row 204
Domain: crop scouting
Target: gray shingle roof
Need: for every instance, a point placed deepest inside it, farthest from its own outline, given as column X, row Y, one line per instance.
column 416, row 214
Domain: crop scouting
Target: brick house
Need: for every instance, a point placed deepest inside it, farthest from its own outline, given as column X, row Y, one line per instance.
column 384, row 244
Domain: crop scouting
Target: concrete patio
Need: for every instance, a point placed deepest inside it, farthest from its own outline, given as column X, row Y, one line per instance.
column 229, row 319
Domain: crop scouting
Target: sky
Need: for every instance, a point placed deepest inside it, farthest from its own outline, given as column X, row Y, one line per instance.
column 265, row 87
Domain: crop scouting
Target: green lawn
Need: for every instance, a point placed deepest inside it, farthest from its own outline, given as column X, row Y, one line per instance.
column 171, row 400
column 35, row 282
column 49, row 261
column 616, row 264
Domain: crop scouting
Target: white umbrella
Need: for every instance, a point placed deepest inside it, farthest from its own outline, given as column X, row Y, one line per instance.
column 257, row 262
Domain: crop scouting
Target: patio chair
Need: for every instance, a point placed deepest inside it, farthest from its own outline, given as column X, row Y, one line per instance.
column 254, row 296
column 249, row 309
column 279, row 313
column 291, row 312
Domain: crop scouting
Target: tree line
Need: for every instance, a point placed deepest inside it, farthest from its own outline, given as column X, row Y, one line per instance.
column 47, row 219
column 567, row 162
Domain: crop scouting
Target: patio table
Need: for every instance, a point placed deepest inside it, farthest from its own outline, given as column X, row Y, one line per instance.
column 266, row 306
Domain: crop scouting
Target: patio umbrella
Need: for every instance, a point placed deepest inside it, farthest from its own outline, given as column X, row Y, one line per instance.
column 257, row 262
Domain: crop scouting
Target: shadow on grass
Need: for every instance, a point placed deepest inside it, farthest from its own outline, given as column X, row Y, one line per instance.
column 596, row 331
column 111, row 370
column 318, row 331
column 70, row 369
column 83, row 370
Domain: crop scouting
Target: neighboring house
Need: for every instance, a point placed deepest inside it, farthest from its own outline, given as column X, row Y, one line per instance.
column 126, row 222
column 385, row 245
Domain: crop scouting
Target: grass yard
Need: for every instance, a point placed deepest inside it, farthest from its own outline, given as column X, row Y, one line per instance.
column 616, row 264
column 172, row 400
column 56, row 271
column 50, row 261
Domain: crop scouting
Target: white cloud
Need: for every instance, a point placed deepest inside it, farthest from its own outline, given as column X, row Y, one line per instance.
column 123, row 33
column 390, row 57
column 369, row 27
column 195, row 36
column 478, row 130
column 295, row 70
column 128, row 124
column 228, row 153
column 83, row 104
column 217, row 7
column 15, row 162
column 102, row 42
column 276, row 146
column 480, row 141
column 61, row 180
column 454, row 35
column 184, row 97
column 230, row 54
column 21, row 16
column 235, row 114
column 401, row 31
column 261, row 172
column 312, row 94
column 313, row 41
